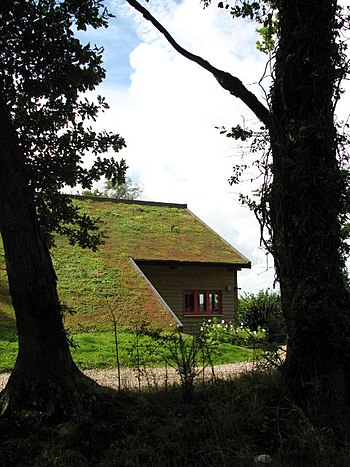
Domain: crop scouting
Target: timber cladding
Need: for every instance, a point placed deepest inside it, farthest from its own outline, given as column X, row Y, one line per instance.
column 173, row 282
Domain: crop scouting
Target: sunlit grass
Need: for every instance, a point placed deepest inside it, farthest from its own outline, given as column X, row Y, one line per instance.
column 8, row 353
column 98, row 350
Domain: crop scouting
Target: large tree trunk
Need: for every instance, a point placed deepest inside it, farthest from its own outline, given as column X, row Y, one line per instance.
column 305, row 203
column 45, row 379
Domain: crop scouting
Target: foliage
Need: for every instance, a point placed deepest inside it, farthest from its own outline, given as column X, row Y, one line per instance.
column 221, row 331
column 124, row 190
column 263, row 12
column 266, row 348
column 189, row 355
column 263, row 310
column 45, row 71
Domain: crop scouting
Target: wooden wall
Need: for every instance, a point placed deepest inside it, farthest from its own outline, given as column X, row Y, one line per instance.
column 172, row 281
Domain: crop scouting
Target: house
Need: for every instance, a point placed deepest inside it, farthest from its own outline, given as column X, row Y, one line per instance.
column 160, row 267
column 188, row 271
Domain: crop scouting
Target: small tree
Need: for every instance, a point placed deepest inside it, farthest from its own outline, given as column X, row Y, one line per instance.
column 126, row 190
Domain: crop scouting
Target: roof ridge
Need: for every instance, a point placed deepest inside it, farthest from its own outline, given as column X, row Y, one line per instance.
column 128, row 201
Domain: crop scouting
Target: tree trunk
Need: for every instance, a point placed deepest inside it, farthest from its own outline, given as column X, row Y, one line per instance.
column 305, row 205
column 305, row 202
column 45, row 379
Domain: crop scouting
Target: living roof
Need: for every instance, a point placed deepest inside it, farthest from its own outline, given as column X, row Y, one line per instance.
column 101, row 285
column 161, row 232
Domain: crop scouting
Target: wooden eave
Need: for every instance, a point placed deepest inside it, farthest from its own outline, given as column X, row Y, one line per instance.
column 173, row 263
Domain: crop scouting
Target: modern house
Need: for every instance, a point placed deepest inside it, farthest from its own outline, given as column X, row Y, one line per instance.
column 160, row 267
column 188, row 272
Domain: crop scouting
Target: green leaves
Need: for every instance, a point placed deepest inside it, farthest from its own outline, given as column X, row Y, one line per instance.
column 268, row 32
column 263, row 12
column 45, row 72
column 241, row 9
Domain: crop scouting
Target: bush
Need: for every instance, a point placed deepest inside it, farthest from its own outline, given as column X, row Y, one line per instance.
column 263, row 311
column 215, row 331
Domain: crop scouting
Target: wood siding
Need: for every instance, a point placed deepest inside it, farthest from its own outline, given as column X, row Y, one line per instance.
column 171, row 283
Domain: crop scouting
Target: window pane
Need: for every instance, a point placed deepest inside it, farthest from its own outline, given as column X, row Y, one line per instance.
column 214, row 301
column 201, row 301
column 189, row 302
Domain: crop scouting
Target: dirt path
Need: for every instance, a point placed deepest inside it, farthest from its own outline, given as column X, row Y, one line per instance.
column 151, row 377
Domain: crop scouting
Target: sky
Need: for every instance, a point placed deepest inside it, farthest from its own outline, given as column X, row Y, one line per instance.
column 168, row 110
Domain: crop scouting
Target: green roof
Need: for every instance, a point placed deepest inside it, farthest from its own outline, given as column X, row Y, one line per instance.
column 161, row 232
column 98, row 284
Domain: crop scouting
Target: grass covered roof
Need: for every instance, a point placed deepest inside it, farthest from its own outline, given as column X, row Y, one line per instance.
column 160, row 231
column 96, row 286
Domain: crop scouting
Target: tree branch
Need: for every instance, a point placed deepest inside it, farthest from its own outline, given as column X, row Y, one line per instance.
column 231, row 83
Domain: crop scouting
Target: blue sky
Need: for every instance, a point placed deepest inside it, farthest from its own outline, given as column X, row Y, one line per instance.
column 118, row 42
column 167, row 109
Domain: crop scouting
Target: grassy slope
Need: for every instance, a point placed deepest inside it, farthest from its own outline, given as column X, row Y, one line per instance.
column 106, row 280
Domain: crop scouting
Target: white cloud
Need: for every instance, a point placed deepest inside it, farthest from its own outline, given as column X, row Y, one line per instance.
column 168, row 117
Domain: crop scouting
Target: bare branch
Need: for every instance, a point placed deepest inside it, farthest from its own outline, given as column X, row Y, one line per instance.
column 231, row 83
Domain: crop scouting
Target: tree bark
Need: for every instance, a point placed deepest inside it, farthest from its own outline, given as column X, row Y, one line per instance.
column 45, row 379
column 305, row 204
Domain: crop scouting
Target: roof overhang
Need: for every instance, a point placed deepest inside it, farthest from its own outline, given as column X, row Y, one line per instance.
column 174, row 263
column 156, row 294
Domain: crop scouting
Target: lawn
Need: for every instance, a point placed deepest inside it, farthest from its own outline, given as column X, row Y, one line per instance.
column 97, row 350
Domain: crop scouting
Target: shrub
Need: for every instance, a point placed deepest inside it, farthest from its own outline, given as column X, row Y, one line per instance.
column 263, row 310
column 215, row 331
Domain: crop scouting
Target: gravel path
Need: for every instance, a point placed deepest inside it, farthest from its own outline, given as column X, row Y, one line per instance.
column 151, row 377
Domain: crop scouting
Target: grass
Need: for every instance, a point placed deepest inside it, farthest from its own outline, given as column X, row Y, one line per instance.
column 96, row 350
column 8, row 353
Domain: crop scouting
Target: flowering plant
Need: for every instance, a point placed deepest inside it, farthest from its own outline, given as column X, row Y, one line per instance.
column 221, row 331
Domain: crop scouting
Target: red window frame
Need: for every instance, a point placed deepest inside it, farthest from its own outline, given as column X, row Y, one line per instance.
column 202, row 302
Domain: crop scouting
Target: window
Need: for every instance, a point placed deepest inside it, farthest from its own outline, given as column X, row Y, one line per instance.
column 203, row 301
